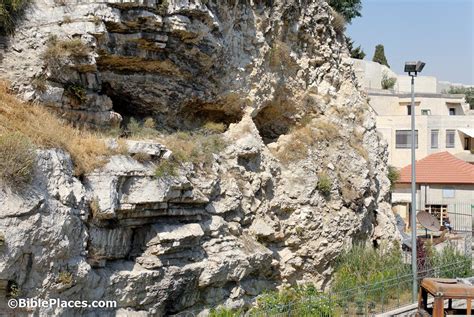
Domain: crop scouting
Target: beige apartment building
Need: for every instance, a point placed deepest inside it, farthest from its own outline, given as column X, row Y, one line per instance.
column 444, row 122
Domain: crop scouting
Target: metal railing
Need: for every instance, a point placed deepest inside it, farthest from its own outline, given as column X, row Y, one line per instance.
column 367, row 300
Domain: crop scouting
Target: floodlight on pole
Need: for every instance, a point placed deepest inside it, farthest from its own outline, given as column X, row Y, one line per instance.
column 413, row 68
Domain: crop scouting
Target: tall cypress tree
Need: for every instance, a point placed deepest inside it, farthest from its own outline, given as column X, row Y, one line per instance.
column 379, row 55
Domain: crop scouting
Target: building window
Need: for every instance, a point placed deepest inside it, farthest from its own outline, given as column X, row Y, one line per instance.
column 448, row 192
column 434, row 139
column 403, row 139
column 452, row 111
column 425, row 112
column 409, row 110
column 439, row 211
column 467, row 144
column 450, row 138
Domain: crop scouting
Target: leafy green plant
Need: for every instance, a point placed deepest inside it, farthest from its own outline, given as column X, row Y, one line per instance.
column 388, row 82
column 10, row 12
column 467, row 91
column 324, row 184
column 140, row 130
column 166, row 168
column 14, row 290
column 393, row 175
column 356, row 52
column 17, row 160
column 363, row 266
column 304, row 300
column 451, row 263
column 76, row 92
column 162, row 8
column 225, row 312
column 349, row 9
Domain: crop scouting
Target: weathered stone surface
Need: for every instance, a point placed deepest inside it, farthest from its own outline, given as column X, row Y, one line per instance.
column 253, row 221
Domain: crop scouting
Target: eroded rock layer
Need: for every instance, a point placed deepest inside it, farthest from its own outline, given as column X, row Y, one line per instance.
column 275, row 72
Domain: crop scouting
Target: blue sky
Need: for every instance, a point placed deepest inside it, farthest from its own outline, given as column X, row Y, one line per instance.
column 438, row 32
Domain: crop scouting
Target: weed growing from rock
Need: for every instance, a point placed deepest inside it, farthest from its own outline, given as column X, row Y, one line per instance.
column 17, row 160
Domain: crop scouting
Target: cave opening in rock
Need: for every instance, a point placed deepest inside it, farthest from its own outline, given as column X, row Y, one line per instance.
column 275, row 119
column 197, row 115
column 124, row 105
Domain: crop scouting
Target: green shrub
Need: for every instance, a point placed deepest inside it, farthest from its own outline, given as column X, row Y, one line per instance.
column 388, row 82
column 303, row 300
column 225, row 312
column 76, row 92
column 58, row 50
column 10, row 12
column 17, row 160
column 65, row 278
column 393, row 175
column 324, row 184
column 166, row 168
column 451, row 263
column 162, row 8
column 362, row 266
column 142, row 130
column 467, row 91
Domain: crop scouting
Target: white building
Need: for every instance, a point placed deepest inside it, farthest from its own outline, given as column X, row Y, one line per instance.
column 444, row 122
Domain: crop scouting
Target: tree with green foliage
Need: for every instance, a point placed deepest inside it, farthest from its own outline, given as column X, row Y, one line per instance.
column 10, row 11
column 467, row 91
column 350, row 9
column 379, row 56
column 358, row 52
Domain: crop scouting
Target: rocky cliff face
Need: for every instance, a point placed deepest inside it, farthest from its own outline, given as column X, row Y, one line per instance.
column 276, row 73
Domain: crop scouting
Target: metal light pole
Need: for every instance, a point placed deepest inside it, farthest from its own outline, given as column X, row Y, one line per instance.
column 413, row 68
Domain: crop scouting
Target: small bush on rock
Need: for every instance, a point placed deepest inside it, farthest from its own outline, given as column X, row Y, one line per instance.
column 324, row 184
column 17, row 159
column 214, row 127
column 166, row 169
column 65, row 278
column 338, row 22
column 10, row 12
column 393, row 175
column 143, row 130
column 59, row 49
column 76, row 92
column 388, row 82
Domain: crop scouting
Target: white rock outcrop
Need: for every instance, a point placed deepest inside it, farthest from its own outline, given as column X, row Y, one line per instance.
column 276, row 73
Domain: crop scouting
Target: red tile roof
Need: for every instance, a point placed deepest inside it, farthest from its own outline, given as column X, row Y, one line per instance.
column 439, row 168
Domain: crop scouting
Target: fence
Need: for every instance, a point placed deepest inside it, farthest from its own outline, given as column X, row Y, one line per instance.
column 374, row 298
column 368, row 300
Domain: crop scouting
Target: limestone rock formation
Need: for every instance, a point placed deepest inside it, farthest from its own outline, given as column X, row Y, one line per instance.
column 276, row 73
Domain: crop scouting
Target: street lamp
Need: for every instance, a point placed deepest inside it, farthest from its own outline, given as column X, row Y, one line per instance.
column 413, row 68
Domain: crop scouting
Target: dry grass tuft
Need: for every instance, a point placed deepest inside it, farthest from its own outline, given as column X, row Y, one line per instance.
column 136, row 64
column 305, row 137
column 142, row 157
column 59, row 49
column 45, row 130
column 357, row 143
column 17, row 160
column 338, row 22
column 280, row 56
column 214, row 127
